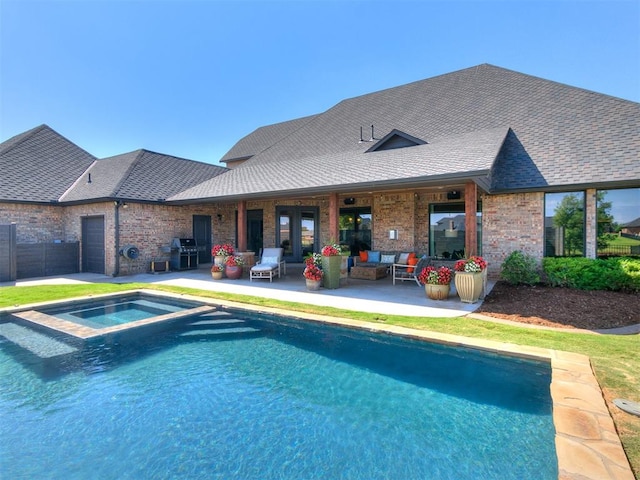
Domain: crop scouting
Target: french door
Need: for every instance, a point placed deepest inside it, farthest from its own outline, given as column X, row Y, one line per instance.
column 297, row 231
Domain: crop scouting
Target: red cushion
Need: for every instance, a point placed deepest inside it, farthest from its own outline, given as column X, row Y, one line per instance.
column 412, row 261
column 364, row 256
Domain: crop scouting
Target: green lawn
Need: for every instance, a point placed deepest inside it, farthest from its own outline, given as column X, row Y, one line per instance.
column 615, row 359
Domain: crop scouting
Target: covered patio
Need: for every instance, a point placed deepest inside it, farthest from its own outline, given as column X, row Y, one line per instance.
column 373, row 296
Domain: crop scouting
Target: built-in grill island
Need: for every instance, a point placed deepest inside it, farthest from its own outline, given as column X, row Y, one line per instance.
column 184, row 254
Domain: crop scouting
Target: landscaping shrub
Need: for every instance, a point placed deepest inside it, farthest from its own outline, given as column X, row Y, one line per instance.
column 620, row 273
column 520, row 269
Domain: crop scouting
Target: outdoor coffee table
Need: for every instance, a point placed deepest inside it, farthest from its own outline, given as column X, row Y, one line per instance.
column 369, row 272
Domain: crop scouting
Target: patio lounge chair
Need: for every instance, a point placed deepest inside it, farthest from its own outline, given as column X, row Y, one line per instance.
column 269, row 265
column 403, row 271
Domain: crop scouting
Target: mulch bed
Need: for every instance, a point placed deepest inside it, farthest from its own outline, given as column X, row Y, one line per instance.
column 562, row 307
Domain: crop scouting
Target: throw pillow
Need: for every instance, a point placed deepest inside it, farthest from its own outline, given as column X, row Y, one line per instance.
column 412, row 261
column 388, row 259
column 374, row 257
column 363, row 257
column 402, row 259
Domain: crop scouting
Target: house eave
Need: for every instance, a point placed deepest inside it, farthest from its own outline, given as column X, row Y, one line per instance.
column 393, row 184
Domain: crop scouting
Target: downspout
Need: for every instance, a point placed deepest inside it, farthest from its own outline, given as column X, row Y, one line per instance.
column 116, row 271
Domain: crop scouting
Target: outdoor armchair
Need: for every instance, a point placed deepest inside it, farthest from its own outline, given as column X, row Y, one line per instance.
column 269, row 265
column 404, row 271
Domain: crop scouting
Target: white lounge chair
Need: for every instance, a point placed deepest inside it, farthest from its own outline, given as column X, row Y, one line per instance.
column 269, row 265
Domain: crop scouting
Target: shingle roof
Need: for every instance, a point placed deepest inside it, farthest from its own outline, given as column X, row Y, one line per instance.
column 39, row 165
column 561, row 136
column 471, row 154
column 633, row 223
column 263, row 137
column 140, row 175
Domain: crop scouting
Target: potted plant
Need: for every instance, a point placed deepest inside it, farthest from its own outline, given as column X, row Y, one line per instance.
column 331, row 263
column 436, row 281
column 233, row 266
column 217, row 271
column 221, row 251
column 313, row 275
column 470, row 277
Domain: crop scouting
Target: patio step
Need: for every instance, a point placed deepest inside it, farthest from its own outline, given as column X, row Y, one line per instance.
column 35, row 342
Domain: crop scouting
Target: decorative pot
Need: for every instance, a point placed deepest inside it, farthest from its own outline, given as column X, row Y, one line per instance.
column 437, row 292
column 233, row 272
column 219, row 259
column 216, row 275
column 313, row 285
column 331, row 268
column 468, row 286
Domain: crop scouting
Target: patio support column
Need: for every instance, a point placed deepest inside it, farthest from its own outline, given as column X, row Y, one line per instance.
column 334, row 227
column 470, row 222
column 242, row 226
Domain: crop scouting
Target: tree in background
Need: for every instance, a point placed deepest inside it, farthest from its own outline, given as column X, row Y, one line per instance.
column 569, row 218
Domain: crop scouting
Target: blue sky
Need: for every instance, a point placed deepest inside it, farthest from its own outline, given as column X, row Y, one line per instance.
column 190, row 78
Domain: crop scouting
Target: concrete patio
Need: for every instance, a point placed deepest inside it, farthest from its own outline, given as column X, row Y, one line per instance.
column 375, row 296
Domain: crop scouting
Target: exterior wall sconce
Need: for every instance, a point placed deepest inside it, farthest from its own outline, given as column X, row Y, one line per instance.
column 393, row 234
column 219, row 217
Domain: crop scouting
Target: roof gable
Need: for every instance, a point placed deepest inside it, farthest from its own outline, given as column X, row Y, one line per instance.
column 40, row 165
column 395, row 139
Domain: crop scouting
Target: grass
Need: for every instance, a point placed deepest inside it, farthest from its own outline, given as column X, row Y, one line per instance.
column 615, row 359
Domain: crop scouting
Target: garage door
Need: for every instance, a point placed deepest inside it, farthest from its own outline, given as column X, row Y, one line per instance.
column 93, row 244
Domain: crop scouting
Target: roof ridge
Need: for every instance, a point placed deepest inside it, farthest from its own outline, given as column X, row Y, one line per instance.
column 125, row 176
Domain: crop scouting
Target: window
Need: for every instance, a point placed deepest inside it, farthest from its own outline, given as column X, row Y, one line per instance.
column 564, row 218
column 355, row 229
column 447, row 230
column 618, row 214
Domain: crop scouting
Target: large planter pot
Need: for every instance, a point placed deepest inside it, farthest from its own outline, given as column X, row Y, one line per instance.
column 216, row 275
column 233, row 271
column 313, row 285
column 331, row 268
column 437, row 292
column 344, row 269
column 468, row 286
column 219, row 260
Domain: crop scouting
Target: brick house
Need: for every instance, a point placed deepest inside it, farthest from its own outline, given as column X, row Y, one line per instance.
column 473, row 161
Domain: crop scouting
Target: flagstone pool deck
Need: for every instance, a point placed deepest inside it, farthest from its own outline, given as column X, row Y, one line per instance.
column 587, row 444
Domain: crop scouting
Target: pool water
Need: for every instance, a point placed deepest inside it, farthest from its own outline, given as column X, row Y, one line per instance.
column 277, row 398
column 115, row 311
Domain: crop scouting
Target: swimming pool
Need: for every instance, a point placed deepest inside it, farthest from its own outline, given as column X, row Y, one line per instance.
column 235, row 395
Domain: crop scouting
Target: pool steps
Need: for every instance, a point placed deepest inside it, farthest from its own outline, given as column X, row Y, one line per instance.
column 220, row 319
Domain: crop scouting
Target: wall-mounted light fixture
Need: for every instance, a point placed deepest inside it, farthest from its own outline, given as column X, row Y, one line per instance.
column 453, row 195
column 219, row 217
column 349, row 201
column 393, row 234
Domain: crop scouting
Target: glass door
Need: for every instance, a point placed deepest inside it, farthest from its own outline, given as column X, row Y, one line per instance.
column 297, row 231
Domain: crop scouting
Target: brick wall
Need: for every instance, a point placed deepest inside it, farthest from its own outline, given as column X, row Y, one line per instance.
column 512, row 222
column 35, row 223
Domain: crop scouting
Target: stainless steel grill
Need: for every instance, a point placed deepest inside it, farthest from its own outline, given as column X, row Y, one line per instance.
column 184, row 254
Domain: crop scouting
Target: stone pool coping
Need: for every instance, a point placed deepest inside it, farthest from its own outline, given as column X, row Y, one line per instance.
column 587, row 443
